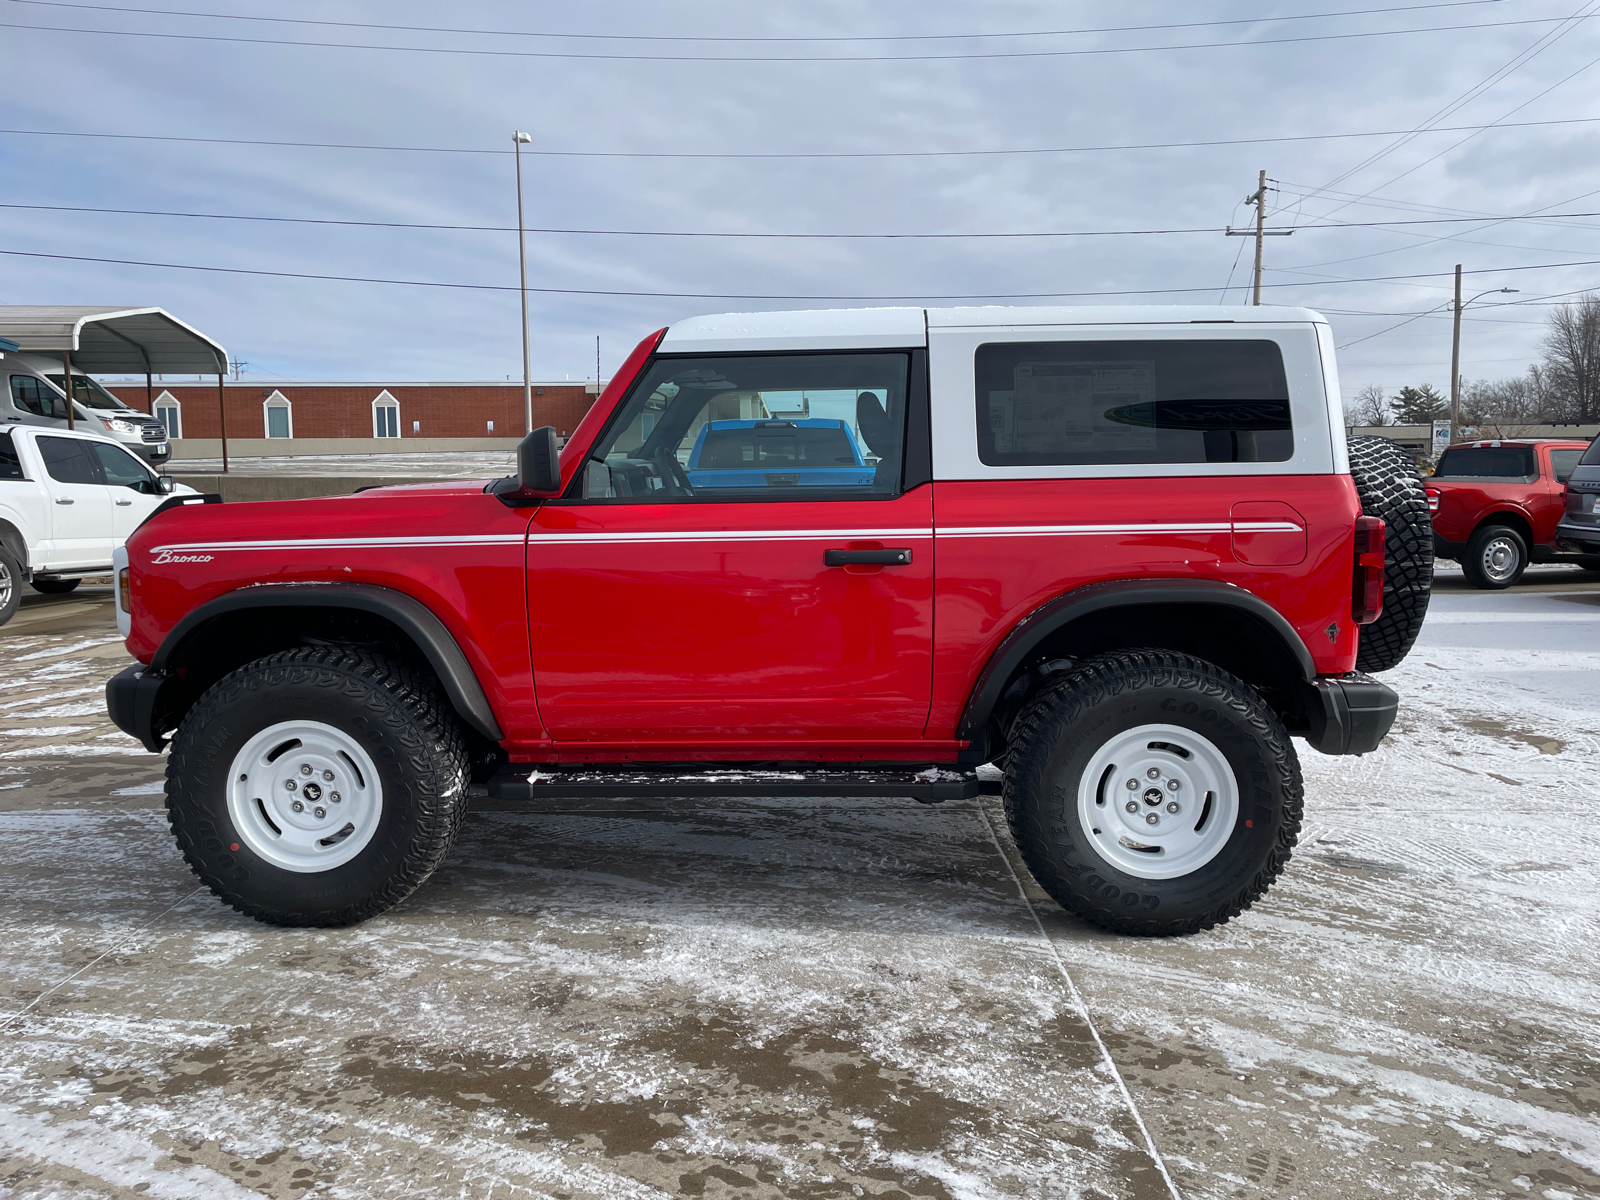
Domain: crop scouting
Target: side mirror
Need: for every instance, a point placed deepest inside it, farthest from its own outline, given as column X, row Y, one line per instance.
column 166, row 485
column 539, row 463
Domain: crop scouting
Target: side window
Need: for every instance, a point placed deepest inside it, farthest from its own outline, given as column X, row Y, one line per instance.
column 1132, row 402
column 1562, row 462
column 756, row 427
column 122, row 469
column 68, row 460
column 34, row 395
column 10, row 464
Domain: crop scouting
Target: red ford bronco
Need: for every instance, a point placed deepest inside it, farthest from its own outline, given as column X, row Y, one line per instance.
column 1123, row 554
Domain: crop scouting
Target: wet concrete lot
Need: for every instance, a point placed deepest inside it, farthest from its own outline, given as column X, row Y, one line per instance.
column 819, row 999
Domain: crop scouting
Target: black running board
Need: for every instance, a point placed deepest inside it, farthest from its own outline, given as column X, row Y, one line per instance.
column 931, row 785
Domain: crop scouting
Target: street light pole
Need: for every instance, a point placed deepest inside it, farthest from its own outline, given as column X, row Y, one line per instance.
column 1455, row 352
column 518, row 139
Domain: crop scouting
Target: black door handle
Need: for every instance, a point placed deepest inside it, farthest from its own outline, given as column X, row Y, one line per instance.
column 863, row 558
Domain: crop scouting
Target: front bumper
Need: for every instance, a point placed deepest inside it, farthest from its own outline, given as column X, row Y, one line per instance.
column 133, row 703
column 1354, row 713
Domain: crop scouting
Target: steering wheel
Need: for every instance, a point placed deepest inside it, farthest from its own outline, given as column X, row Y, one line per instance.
column 672, row 474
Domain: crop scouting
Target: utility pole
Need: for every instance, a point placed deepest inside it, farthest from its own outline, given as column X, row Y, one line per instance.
column 1261, row 232
column 1455, row 362
column 597, row 364
column 1455, row 351
column 518, row 139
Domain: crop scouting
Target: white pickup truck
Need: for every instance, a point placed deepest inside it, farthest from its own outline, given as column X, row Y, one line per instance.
column 68, row 501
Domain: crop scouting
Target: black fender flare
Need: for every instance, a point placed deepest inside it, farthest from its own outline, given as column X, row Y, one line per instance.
column 409, row 614
column 1028, row 633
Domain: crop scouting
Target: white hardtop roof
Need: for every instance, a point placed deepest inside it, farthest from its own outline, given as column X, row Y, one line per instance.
column 112, row 340
column 864, row 328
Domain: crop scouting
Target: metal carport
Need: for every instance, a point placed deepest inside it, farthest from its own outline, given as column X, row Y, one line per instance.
column 122, row 341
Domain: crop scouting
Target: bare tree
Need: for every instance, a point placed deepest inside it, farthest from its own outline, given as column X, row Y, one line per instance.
column 1369, row 406
column 1572, row 359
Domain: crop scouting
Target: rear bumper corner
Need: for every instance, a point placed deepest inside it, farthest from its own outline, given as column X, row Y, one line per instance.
column 1352, row 715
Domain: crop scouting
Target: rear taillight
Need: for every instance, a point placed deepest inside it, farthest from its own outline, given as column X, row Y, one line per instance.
column 1366, row 596
column 1433, row 499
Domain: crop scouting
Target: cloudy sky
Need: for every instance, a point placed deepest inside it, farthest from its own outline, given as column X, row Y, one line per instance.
column 785, row 118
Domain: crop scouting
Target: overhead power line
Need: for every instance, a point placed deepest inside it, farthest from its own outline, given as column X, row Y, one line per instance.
column 786, row 58
column 655, row 37
column 800, row 155
column 748, row 234
column 913, row 296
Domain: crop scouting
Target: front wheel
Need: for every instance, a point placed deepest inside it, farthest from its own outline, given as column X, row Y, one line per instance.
column 10, row 579
column 1152, row 793
column 318, row 786
column 1496, row 557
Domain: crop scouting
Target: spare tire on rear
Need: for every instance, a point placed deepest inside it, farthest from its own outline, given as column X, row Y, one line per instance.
column 1389, row 489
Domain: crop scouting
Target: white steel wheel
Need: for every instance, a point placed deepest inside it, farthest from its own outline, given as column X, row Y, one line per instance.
column 305, row 796
column 1159, row 801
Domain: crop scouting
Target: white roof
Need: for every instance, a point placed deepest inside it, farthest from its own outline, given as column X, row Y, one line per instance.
column 102, row 340
column 857, row 328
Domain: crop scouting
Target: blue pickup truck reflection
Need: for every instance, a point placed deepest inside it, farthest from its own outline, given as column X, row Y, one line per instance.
column 806, row 452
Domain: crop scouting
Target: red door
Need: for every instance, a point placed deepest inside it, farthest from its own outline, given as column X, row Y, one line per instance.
column 721, row 625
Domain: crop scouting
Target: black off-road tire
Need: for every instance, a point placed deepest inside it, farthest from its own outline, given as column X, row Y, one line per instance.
column 400, row 720
column 54, row 587
column 1389, row 489
column 1062, row 729
column 10, row 585
column 1482, row 542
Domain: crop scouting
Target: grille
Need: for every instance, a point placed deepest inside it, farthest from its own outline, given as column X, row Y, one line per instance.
column 153, row 432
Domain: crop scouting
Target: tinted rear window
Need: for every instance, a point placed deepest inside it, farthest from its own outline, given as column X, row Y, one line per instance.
column 775, row 442
column 1111, row 403
column 10, row 465
column 1487, row 462
column 1591, row 456
column 69, row 461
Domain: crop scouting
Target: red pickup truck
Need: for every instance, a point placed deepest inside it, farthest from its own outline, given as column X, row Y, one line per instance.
column 1496, row 504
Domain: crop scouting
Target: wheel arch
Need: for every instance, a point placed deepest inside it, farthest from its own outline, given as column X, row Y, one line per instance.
column 251, row 622
column 1513, row 517
column 1218, row 622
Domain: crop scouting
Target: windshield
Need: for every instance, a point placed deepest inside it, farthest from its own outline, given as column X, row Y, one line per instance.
column 89, row 393
column 1486, row 462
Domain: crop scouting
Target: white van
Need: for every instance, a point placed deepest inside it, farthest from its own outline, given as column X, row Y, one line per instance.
column 35, row 394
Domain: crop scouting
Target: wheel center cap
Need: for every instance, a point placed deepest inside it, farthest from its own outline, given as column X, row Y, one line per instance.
column 311, row 791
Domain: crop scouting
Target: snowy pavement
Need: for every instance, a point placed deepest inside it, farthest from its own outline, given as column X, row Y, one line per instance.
column 826, row 999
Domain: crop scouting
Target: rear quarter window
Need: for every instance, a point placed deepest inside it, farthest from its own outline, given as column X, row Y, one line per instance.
column 1591, row 456
column 1487, row 462
column 10, row 464
column 1131, row 402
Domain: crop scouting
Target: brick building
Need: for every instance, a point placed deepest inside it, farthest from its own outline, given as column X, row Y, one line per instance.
column 358, row 410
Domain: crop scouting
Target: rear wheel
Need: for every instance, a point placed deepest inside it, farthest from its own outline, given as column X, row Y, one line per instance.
column 1152, row 793
column 1389, row 489
column 318, row 786
column 1496, row 557
column 54, row 587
